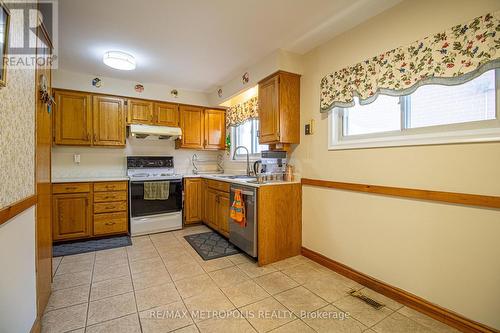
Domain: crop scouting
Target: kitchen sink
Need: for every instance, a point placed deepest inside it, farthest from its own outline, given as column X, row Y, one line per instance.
column 237, row 177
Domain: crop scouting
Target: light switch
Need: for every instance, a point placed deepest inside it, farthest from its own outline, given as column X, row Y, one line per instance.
column 76, row 158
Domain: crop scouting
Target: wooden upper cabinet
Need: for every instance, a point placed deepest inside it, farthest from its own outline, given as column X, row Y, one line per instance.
column 166, row 114
column 72, row 216
column 279, row 109
column 109, row 121
column 192, row 125
column 73, row 118
column 139, row 112
column 215, row 129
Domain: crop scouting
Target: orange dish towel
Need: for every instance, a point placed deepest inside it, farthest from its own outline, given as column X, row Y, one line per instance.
column 237, row 211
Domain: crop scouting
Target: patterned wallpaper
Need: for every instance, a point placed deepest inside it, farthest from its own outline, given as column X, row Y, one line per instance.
column 17, row 133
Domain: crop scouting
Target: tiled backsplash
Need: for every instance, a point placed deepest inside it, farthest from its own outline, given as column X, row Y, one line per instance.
column 111, row 162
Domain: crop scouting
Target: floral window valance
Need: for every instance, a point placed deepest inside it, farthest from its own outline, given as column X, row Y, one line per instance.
column 240, row 113
column 454, row 56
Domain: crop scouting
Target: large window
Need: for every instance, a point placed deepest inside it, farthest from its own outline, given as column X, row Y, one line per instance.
column 246, row 135
column 432, row 114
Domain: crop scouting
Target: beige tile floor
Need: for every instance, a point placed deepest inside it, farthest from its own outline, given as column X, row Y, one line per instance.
column 160, row 284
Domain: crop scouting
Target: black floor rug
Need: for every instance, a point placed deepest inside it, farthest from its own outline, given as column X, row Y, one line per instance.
column 211, row 245
column 90, row 245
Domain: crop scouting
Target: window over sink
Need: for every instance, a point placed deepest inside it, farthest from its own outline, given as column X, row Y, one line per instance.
column 246, row 134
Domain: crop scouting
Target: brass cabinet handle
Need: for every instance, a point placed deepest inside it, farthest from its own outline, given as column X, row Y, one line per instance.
column 95, row 138
column 109, row 207
column 70, row 188
column 109, row 223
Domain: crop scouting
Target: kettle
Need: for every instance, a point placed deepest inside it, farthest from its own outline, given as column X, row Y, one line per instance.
column 256, row 168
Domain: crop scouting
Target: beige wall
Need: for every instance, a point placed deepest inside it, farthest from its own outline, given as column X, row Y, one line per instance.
column 83, row 81
column 447, row 254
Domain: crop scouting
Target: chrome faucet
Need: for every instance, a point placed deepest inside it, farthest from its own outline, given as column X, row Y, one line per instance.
column 249, row 173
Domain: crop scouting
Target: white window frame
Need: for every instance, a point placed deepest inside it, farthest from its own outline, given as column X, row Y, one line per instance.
column 241, row 156
column 469, row 132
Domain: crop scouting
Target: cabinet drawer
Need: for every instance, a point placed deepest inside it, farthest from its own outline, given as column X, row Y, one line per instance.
column 110, row 186
column 110, row 223
column 108, row 207
column 217, row 185
column 110, row 196
column 71, row 188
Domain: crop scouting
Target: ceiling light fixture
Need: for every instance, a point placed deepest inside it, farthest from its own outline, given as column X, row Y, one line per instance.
column 119, row 60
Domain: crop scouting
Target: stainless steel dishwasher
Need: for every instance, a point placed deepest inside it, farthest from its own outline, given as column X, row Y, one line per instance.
column 245, row 237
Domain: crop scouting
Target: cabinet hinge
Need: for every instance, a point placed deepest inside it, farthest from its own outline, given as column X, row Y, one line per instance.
column 126, row 103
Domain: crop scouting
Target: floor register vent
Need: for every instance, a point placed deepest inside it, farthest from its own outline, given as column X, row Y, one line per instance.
column 371, row 302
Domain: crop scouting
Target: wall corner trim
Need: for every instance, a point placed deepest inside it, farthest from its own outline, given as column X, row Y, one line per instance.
column 36, row 328
column 419, row 304
column 16, row 208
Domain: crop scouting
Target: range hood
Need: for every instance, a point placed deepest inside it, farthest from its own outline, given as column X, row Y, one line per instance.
column 155, row 132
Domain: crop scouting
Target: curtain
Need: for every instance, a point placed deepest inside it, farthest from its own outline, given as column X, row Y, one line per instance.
column 240, row 113
column 451, row 57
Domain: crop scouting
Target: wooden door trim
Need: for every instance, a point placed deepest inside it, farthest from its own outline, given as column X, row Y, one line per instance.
column 12, row 210
column 475, row 200
column 432, row 310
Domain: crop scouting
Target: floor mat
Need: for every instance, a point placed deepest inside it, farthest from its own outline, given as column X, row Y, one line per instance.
column 211, row 245
column 90, row 245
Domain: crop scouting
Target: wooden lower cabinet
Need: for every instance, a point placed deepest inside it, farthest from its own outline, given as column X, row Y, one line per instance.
column 192, row 200
column 223, row 213
column 207, row 201
column 211, row 208
column 72, row 216
column 215, row 205
column 86, row 210
column 110, row 223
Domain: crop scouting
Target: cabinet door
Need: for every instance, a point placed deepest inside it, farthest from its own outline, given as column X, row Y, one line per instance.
column 72, row 216
column 192, row 200
column 166, row 114
column 73, row 118
column 204, row 188
column 215, row 129
column 139, row 112
column 192, row 127
column 223, row 213
column 109, row 121
column 269, row 119
column 212, row 208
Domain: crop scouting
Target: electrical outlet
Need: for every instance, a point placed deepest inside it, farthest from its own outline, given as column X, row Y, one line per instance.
column 76, row 158
column 309, row 128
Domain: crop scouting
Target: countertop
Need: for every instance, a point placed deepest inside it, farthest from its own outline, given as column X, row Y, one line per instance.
column 241, row 182
column 213, row 177
column 89, row 179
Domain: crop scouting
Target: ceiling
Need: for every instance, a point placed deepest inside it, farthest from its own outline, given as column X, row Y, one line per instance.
column 198, row 44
